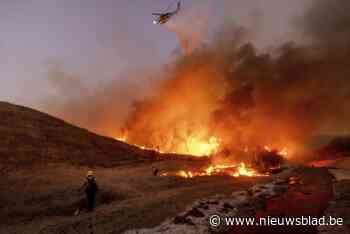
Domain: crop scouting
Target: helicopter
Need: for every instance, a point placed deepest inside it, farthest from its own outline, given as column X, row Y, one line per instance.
column 162, row 18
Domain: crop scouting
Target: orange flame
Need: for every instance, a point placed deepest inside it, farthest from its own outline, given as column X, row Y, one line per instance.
column 244, row 171
column 234, row 170
column 197, row 146
column 283, row 152
column 194, row 145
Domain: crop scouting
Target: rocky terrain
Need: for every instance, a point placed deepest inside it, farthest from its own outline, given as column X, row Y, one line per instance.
column 295, row 192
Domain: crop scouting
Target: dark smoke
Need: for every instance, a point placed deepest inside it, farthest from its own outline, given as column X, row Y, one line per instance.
column 327, row 22
column 277, row 98
column 229, row 89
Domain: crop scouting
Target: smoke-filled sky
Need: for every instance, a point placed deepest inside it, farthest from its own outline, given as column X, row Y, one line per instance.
column 100, row 40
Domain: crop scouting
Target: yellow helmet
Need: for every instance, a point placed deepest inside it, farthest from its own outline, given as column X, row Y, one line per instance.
column 90, row 174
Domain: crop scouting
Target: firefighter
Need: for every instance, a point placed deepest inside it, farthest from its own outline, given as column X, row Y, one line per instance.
column 91, row 188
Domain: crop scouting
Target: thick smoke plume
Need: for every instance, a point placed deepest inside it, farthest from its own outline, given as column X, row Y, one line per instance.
column 327, row 22
column 227, row 89
column 246, row 98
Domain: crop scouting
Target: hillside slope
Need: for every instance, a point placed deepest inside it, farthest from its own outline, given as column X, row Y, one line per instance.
column 43, row 163
column 30, row 137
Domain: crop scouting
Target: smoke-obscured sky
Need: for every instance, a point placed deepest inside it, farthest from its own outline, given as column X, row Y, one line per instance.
column 99, row 39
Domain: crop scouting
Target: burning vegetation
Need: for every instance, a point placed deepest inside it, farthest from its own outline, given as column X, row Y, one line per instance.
column 228, row 98
column 231, row 170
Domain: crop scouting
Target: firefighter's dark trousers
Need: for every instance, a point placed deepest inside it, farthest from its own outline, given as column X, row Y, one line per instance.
column 91, row 201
